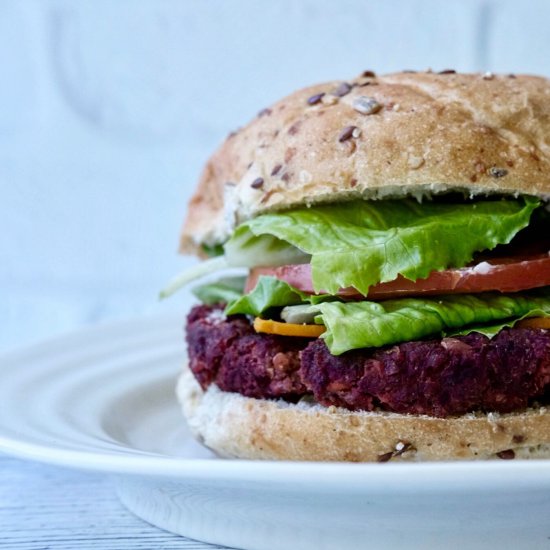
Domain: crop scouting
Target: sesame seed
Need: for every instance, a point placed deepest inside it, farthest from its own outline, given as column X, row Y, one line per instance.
column 266, row 197
column 415, row 162
column 366, row 105
column 488, row 76
column 385, row 457
column 329, row 99
column 295, row 128
column 314, row 99
column 362, row 82
column 289, row 153
column 507, row 454
column 497, row 172
column 257, row 183
column 276, row 169
column 343, row 89
column 356, row 132
column 346, row 133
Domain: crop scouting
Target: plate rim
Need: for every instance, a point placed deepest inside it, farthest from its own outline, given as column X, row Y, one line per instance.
column 479, row 474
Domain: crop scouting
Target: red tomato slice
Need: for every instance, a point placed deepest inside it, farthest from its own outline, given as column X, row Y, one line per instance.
column 501, row 274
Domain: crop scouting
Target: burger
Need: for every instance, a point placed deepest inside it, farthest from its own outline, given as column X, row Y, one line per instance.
column 391, row 236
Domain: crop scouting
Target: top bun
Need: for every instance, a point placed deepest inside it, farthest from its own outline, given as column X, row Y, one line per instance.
column 403, row 134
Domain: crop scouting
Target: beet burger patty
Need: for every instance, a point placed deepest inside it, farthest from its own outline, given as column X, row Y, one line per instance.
column 436, row 377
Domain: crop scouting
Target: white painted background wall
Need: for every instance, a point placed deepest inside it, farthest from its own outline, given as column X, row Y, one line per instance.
column 108, row 109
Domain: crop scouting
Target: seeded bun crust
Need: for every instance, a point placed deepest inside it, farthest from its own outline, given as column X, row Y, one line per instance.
column 235, row 426
column 378, row 137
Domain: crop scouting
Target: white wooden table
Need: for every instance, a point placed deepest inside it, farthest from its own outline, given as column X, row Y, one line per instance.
column 44, row 507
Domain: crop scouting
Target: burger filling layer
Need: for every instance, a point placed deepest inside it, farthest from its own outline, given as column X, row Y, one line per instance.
column 437, row 308
column 437, row 377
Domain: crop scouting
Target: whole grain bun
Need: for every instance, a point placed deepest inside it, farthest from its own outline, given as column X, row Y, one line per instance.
column 401, row 134
column 240, row 427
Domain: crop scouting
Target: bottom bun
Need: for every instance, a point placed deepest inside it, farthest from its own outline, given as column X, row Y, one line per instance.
column 242, row 427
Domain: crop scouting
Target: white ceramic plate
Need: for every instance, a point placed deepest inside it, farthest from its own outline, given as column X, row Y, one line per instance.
column 103, row 399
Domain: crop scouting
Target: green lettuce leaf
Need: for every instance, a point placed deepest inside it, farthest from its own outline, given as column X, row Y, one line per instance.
column 223, row 291
column 366, row 324
column 493, row 329
column 361, row 243
column 213, row 250
column 355, row 325
column 268, row 293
